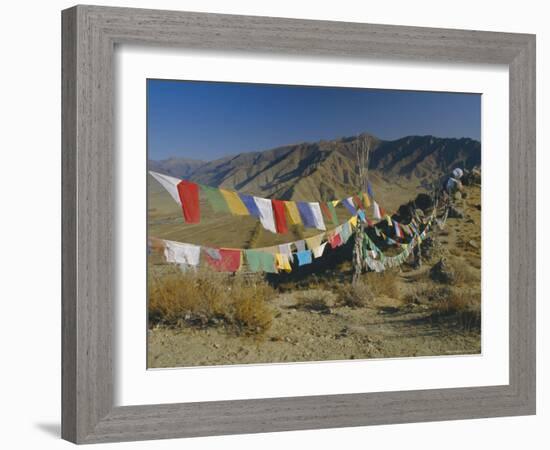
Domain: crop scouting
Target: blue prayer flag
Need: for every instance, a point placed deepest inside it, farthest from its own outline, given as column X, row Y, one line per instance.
column 306, row 214
column 250, row 204
column 304, row 257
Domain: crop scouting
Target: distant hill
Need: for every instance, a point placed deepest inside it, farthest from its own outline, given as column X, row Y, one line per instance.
column 327, row 169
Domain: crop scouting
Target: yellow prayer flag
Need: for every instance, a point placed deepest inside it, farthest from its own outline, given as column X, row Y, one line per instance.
column 292, row 213
column 353, row 221
column 366, row 200
column 282, row 262
column 234, row 202
column 388, row 219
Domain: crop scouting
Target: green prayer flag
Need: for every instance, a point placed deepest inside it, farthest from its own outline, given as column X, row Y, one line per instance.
column 215, row 198
column 259, row 261
column 332, row 210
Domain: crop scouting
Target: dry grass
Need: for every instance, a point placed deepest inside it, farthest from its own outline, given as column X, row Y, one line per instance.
column 205, row 298
column 446, row 303
column 355, row 296
column 316, row 300
column 384, row 283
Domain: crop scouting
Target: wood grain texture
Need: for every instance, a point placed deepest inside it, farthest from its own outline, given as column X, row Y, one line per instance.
column 89, row 36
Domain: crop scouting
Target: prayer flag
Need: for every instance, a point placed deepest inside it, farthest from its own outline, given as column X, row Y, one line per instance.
column 250, row 204
column 388, row 220
column 285, row 249
column 169, row 183
column 282, row 262
column 189, row 196
column 335, row 240
column 215, row 198
column 317, row 216
column 300, row 245
column 376, row 210
column 304, row 257
column 332, row 209
column 234, row 202
column 293, row 213
column 357, row 202
column 259, row 261
column 318, row 252
column 280, row 218
column 229, row 261
column 366, row 201
column 266, row 213
column 353, row 221
column 348, row 203
column 306, row 214
column 181, row 253
column 314, row 241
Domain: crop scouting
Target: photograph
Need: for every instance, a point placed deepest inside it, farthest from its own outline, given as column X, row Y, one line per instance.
column 310, row 223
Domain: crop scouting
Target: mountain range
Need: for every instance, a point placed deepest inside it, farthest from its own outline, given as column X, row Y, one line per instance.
column 327, row 169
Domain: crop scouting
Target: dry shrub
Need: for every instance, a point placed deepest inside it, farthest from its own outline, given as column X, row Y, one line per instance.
column 462, row 306
column 205, row 298
column 316, row 300
column 427, row 294
column 449, row 304
column 355, row 296
column 384, row 283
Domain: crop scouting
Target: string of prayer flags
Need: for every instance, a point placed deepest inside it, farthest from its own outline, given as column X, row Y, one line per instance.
column 181, row 253
column 229, row 260
column 250, row 204
column 234, row 203
column 304, row 257
column 292, row 213
column 259, row 261
column 266, row 213
column 279, row 214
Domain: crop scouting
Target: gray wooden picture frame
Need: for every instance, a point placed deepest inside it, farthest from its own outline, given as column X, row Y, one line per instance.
column 90, row 34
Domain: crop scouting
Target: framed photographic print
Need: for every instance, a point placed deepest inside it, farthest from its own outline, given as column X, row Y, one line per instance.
column 268, row 222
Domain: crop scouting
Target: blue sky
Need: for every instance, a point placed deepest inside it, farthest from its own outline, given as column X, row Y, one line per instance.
column 208, row 120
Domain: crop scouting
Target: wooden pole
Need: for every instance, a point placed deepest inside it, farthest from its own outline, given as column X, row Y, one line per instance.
column 362, row 158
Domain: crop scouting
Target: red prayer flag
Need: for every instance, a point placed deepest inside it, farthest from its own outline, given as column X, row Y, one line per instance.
column 230, row 260
column 326, row 211
column 279, row 213
column 189, row 197
column 358, row 202
column 335, row 240
column 382, row 211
